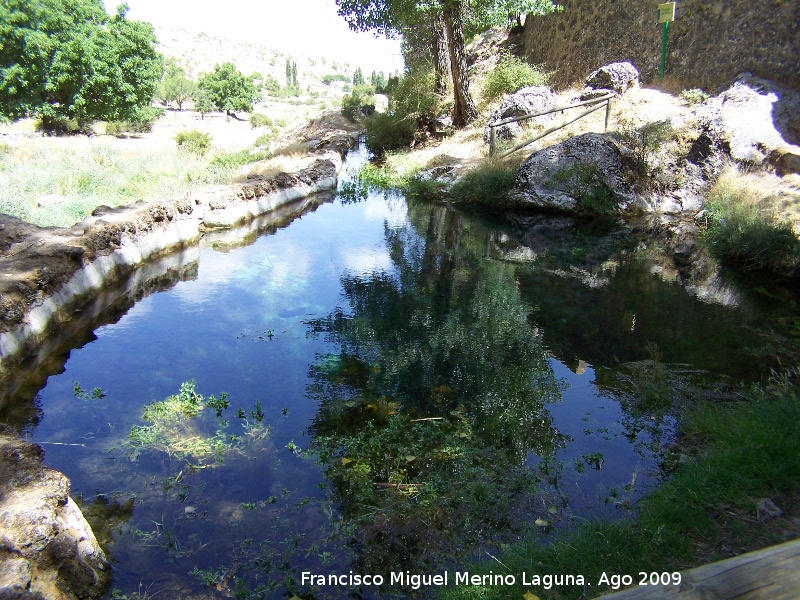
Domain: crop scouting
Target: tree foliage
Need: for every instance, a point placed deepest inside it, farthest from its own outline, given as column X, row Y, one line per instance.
column 176, row 86
column 68, row 59
column 227, row 89
column 435, row 24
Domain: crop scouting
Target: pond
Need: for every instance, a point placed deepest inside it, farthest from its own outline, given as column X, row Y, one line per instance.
column 381, row 385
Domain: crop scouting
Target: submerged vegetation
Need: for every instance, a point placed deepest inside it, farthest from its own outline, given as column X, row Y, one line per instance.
column 176, row 429
column 728, row 456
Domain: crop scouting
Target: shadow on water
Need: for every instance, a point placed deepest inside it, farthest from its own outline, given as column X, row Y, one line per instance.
column 407, row 386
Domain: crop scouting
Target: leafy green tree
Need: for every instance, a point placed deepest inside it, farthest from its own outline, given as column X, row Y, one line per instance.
column 70, row 60
column 176, row 86
column 378, row 80
column 447, row 20
column 227, row 89
column 358, row 77
column 202, row 102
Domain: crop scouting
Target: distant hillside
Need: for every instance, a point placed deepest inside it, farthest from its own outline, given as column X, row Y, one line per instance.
column 199, row 52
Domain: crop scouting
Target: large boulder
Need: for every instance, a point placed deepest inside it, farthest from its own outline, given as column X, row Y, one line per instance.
column 526, row 101
column 753, row 122
column 47, row 549
column 585, row 175
column 617, row 77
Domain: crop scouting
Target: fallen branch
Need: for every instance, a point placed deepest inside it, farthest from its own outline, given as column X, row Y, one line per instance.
column 399, row 486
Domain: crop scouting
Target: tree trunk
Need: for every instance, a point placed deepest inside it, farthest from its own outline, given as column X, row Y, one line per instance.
column 440, row 56
column 464, row 109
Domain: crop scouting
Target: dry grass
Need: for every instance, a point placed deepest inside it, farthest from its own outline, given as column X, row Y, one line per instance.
column 765, row 192
column 280, row 163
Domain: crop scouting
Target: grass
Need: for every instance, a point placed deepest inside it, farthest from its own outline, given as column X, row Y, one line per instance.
column 748, row 450
column 743, row 229
column 487, row 184
column 89, row 175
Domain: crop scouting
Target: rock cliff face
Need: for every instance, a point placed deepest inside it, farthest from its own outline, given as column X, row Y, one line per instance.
column 709, row 43
column 47, row 549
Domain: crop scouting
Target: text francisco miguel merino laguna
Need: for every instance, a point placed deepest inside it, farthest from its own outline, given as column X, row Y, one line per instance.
column 416, row 581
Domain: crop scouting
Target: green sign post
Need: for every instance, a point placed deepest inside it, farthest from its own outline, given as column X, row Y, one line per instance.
column 666, row 13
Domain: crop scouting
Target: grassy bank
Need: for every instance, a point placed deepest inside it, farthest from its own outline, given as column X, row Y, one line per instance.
column 731, row 456
column 743, row 227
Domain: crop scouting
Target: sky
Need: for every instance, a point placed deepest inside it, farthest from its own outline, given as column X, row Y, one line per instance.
column 309, row 27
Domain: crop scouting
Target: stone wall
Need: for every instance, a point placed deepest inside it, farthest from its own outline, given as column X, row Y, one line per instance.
column 709, row 43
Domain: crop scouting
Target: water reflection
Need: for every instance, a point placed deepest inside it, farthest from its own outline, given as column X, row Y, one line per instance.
column 436, row 396
column 420, row 354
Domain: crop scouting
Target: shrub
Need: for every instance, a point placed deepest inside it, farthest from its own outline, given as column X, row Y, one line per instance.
column 694, row 96
column 194, row 141
column 260, row 120
column 412, row 106
column 388, row 132
column 328, row 79
column 142, row 122
column 360, row 101
column 60, row 126
column 414, row 96
column 644, row 143
column 509, row 75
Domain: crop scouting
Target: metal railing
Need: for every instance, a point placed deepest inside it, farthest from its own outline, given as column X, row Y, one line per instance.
column 602, row 100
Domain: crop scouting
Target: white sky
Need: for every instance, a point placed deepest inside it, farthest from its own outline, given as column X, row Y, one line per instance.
column 306, row 27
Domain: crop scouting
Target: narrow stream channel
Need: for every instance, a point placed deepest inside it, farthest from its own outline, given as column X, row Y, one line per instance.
column 407, row 386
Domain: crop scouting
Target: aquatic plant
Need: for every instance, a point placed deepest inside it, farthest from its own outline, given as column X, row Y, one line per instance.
column 174, row 427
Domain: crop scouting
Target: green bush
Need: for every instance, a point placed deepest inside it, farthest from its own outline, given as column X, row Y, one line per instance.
column 260, row 120
column 509, row 75
column 412, row 106
column 386, row 132
column 489, row 185
column 328, row 79
column 60, row 126
column 694, row 96
column 142, row 122
column 644, row 142
column 360, row 101
column 194, row 141
column 414, row 96
column 750, row 239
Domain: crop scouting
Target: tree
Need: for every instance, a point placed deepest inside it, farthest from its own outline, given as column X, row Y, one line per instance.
column 445, row 18
column 70, row 60
column 358, row 77
column 176, row 86
column 227, row 89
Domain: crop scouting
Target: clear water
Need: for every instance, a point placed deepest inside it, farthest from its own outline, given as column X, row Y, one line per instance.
column 334, row 338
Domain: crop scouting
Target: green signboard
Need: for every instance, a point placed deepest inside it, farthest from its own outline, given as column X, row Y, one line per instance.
column 666, row 13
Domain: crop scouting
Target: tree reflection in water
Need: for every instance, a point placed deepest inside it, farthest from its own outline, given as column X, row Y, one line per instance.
column 434, row 400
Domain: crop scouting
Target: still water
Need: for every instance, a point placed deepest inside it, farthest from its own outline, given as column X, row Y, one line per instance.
column 396, row 385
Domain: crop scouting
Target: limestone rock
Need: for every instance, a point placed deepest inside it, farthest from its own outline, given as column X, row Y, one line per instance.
column 523, row 102
column 587, row 174
column 47, row 549
column 618, row 77
column 753, row 122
